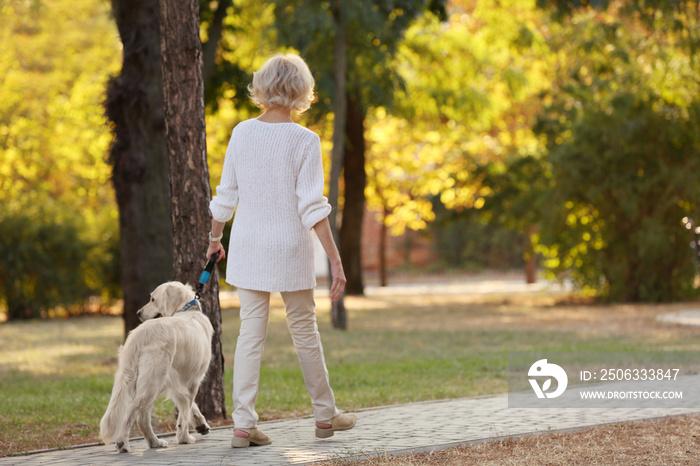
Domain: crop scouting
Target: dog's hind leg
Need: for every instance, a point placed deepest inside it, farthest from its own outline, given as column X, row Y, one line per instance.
column 184, row 415
column 148, row 389
column 199, row 421
column 144, row 422
column 147, row 392
column 122, row 439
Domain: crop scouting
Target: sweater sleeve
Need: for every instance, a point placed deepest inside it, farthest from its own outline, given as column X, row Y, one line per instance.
column 224, row 203
column 313, row 205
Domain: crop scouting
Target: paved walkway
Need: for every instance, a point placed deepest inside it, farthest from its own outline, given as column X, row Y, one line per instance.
column 689, row 317
column 391, row 430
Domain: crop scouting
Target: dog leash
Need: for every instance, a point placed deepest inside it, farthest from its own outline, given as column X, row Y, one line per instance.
column 204, row 278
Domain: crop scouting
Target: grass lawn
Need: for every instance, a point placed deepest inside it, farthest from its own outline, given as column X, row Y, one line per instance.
column 56, row 376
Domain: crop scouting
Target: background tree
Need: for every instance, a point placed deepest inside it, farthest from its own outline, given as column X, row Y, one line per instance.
column 53, row 140
column 403, row 173
column 516, row 200
column 139, row 158
column 619, row 123
column 340, row 113
column 464, row 115
column 183, row 88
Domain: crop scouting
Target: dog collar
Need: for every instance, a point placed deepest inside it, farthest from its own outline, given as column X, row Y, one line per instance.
column 189, row 306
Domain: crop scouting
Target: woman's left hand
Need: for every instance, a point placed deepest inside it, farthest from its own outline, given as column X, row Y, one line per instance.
column 339, row 280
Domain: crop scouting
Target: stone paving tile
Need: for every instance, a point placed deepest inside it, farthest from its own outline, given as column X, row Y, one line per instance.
column 392, row 429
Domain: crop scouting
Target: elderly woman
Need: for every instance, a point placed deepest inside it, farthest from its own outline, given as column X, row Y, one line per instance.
column 273, row 176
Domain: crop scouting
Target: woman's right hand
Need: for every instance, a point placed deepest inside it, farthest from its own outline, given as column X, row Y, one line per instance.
column 214, row 247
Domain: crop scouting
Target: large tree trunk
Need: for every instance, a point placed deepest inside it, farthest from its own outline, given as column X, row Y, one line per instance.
column 139, row 158
column 355, row 182
column 338, row 312
column 181, row 52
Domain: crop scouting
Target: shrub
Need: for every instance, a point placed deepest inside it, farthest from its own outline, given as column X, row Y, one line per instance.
column 623, row 182
column 41, row 265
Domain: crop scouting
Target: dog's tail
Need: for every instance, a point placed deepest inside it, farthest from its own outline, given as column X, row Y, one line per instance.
column 123, row 394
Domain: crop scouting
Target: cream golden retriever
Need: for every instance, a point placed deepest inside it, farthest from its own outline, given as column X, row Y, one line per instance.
column 168, row 355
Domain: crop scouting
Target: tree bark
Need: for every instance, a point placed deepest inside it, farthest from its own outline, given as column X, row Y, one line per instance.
column 355, row 182
column 139, row 158
column 339, row 111
column 338, row 312
column 183, row 93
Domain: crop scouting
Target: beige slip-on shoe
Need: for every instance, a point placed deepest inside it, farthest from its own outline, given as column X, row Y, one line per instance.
column 343, row 421
column 255, row 438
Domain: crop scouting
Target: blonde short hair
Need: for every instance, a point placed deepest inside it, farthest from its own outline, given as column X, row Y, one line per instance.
column 283, row 81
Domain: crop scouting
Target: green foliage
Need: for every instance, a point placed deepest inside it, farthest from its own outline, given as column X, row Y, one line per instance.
column 246, row 41
column 40, row 266
column 621, row 126
column 622, row 194
column 566, row 7
column 45, row 264
column 55, row 58
column 464, row 241
column 467, row 85
column 518, row 191
column 374, row 31
column 452, row 99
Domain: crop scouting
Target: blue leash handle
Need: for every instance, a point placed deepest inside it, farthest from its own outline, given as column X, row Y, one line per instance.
column 208, row 269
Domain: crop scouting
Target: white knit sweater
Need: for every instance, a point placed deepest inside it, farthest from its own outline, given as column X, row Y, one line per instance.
column 273, row 173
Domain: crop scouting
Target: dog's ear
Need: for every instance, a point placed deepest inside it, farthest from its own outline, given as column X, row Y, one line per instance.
column 177, row 295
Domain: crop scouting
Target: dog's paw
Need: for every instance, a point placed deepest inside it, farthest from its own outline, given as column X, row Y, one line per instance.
column 123, row 447
column 203, row 429
column 159, row 444
column 186, row 439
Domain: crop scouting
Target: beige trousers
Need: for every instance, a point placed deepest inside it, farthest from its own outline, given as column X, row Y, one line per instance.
column 301, row 321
